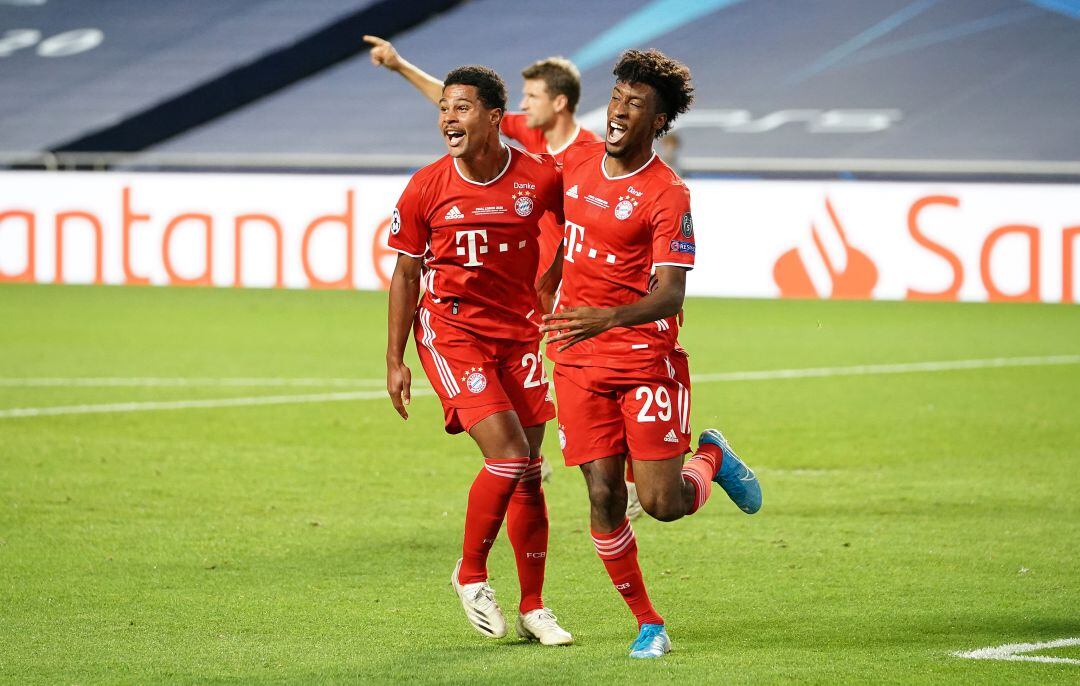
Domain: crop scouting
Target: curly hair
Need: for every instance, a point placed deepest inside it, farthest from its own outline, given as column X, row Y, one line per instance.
column 560, row 76
column 669, row 78
column 490, row 87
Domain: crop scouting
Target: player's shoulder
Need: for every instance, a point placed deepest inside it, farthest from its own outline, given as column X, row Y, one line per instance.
column 539, row 164
column 432, row 171
column 582, row 151
column 666, row 180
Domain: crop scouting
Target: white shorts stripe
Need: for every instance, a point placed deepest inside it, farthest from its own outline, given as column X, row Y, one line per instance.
column 684, row 407
column 443, row 367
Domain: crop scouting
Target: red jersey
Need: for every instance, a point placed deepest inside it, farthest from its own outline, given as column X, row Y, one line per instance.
column 513, row 126
column 617, row 230
column 479, row 241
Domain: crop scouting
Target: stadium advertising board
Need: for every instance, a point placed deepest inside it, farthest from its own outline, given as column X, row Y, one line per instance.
column 943, row 241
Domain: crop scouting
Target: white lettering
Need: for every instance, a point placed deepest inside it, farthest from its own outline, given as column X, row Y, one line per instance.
column 474, row 249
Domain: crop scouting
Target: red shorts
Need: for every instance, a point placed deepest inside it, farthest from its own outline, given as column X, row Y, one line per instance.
column 475, row 377
column 642, row 413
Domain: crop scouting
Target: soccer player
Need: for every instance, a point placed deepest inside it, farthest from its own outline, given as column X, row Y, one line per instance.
column 545, row 125
column 622, row 382
column 466, row 225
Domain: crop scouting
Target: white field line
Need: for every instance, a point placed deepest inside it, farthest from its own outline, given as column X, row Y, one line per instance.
column 177, row 382
column 898, row 368
column 763, row 375
column 1014, row 652
column 191, row 404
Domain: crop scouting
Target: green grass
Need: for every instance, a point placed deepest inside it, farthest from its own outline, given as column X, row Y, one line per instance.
column 906, row 516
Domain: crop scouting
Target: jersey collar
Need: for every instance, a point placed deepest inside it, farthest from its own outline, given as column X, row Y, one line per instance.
column 624, row 176
column 509, row 158
column 569, row 142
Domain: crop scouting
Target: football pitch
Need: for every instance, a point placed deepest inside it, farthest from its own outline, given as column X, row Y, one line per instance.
column 204, row 486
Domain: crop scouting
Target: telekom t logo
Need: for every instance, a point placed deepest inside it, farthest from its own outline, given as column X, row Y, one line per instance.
column 575, row 233
column 475, row 248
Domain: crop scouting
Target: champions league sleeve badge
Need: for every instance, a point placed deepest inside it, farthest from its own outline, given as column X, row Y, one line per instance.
column 395, row 222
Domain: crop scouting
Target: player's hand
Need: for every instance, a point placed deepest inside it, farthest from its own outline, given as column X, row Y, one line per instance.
column 577, row 324
column 383, row 53
column 399, row 385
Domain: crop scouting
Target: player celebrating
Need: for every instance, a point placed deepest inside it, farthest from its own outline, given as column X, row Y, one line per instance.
column 467, row 225
column 545, row 125
column 622, row 383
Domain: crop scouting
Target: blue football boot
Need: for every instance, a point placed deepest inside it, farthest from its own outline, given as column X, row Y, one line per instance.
column 737, row 480
column 651, row 641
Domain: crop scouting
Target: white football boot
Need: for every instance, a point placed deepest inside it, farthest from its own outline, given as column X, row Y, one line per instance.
column 541, row 625
column 633, row 505
column 546, row 470
column 482, row 611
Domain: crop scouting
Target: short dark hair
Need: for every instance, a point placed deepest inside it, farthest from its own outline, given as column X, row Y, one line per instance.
column 669, row 78
column 490, row 87
column 560, row 76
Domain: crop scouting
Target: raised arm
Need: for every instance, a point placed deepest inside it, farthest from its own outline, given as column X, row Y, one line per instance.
column 383, row 54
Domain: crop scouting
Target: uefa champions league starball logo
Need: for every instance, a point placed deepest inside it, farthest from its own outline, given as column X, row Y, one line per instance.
column 475, row 380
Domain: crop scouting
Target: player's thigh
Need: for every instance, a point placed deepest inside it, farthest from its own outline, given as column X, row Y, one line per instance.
column 525, row 382
column 590, row 419
column 464, row 371
column 655, row 412
column 500, row 436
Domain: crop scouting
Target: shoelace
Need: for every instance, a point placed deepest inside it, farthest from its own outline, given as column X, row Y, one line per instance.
column 547, row 618
column 485, row 593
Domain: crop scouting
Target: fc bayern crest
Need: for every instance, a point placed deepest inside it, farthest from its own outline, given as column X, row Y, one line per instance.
column 562, row 438
column 625, row 207
column 523, row 206
column 475, row 380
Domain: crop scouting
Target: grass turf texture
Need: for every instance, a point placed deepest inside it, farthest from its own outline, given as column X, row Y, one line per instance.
column 906, row 516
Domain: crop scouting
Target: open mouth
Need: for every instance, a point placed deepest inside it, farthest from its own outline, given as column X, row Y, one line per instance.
column 615, row 132
column 454, row 137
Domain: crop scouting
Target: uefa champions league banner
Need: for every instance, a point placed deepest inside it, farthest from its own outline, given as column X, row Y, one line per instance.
column 799, row 239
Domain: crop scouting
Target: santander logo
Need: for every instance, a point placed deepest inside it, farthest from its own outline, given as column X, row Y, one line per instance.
column 841, row 271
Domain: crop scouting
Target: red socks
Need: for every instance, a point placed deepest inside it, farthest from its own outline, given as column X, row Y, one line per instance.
column 618, row 550
column 527, row 526
column 488, row 500
column 699, row 470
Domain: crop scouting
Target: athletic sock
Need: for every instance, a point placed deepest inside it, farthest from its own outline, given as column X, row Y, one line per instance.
column 488, row 498
column 527, row 526
column 618, row 550
column 699, row 471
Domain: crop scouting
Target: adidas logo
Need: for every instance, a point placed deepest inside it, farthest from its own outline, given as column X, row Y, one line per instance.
column 671, row 437
column 454, row 213
column 572, row 193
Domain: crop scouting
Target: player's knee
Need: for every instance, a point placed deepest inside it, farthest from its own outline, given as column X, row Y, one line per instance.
column 608, row 500
column 660, row 507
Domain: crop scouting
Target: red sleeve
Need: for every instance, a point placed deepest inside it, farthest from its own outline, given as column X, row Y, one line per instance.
column 409, row 229
column 513, row 126
column 673, row 229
